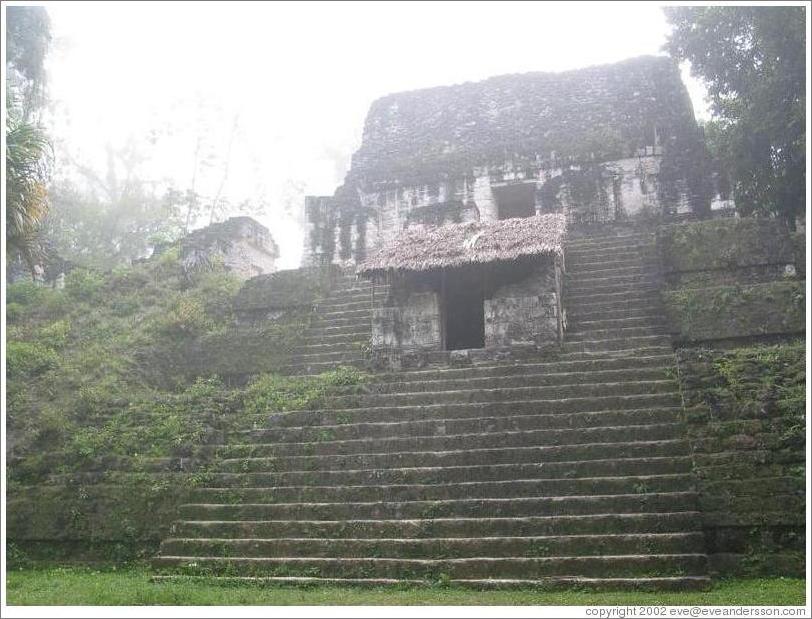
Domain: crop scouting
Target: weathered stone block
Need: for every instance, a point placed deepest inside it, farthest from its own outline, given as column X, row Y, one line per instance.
column 521, row 320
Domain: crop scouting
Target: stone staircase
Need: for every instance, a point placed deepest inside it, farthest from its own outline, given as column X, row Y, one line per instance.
column 339, row 329
column 567, row 470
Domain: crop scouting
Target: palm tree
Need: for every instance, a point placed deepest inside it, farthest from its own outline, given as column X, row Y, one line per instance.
column 27, row 156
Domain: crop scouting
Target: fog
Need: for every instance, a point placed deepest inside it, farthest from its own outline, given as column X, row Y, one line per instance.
column 272, row 97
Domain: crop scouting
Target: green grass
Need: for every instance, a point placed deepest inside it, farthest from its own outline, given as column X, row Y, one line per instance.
column 82, row 586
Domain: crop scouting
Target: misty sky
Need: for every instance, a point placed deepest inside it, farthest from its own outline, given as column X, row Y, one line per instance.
column 285, row 87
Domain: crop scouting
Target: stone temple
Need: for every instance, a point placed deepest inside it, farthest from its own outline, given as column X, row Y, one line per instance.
column 536, row 275
column 460, row 197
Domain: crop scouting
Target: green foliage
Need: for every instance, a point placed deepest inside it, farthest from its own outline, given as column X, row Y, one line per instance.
column 270, row 393
column 28, row 359
column 114, row 224
column 54, row 335
column 114, row 586
column 84, row 285
column 753, row 61
column 34, row 301
column 185, row 317
column 14, row 311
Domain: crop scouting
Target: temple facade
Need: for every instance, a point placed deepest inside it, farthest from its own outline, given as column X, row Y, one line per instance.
column 604, row 144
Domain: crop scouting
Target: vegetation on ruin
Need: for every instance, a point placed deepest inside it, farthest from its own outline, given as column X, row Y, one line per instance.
column 106, row 392
column 131, row 586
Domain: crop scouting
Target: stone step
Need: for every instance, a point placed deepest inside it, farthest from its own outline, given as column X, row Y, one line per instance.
column 432, row 569
column 606, row 354
column 621, row 307
column 441, row 427
column 555, row 583
column 628, row 240
column 482, row 440
column 617, row 310
column 350, row 338
column 439, row 548
column 575, row 278
column 612, row 467
column 577, row 263
column 579, row 289
column 340, row 355
column 336, row 416
column 645, row 252
column 593, row 524
column 582, row 333
column 622, row 343
column 503, row 393
column 330, row 347
column 320, row 322
column 392, row 385
column 329, row 316
column 461, row 490
column 331, row 305
column 350, row 330
column 588, row 266
column 601, row 298
column 467, row 508
column 467, row 457
column 610, row 269
column 616, row 323
column 312, row 368
column 546, row 366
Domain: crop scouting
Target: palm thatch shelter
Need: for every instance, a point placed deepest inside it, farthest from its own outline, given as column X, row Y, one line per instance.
column 468, row 286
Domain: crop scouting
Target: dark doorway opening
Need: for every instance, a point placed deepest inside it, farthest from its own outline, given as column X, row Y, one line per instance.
column 464, row 305
column 517, row 200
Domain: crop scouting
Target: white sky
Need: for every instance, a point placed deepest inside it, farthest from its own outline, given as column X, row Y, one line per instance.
column 298, row 78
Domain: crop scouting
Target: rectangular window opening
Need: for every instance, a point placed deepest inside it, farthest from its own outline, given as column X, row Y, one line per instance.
column 515, row 200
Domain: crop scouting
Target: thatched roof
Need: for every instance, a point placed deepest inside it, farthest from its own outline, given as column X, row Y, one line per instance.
column 425, row 249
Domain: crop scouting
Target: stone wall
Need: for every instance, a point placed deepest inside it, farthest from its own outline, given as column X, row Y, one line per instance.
column 408, row 323
column 736, row 304
column 527, row 312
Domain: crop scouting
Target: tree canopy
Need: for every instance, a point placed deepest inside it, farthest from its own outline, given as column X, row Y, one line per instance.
column 752, row 59
column 28, row 37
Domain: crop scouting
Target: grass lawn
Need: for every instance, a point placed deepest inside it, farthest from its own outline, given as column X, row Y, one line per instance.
column 131, row 586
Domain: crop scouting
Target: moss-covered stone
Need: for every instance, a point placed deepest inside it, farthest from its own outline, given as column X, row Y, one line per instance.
column 293, row 288
column 723, row 312
column 745, row 416
column 724, row 244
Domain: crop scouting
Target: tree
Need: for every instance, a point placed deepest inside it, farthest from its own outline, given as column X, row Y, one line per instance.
column 26, row 177
column 752, row 59
column 28, row 37
column 110, row 217
column 27, row 145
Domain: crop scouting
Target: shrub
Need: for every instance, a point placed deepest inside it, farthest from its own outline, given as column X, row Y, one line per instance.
column 29, row 359
column 216, row 291
column 185, row 317
column 24, row 293
column 54, row 335
column 83, row 285
column 275, row 393
column 14, row 311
